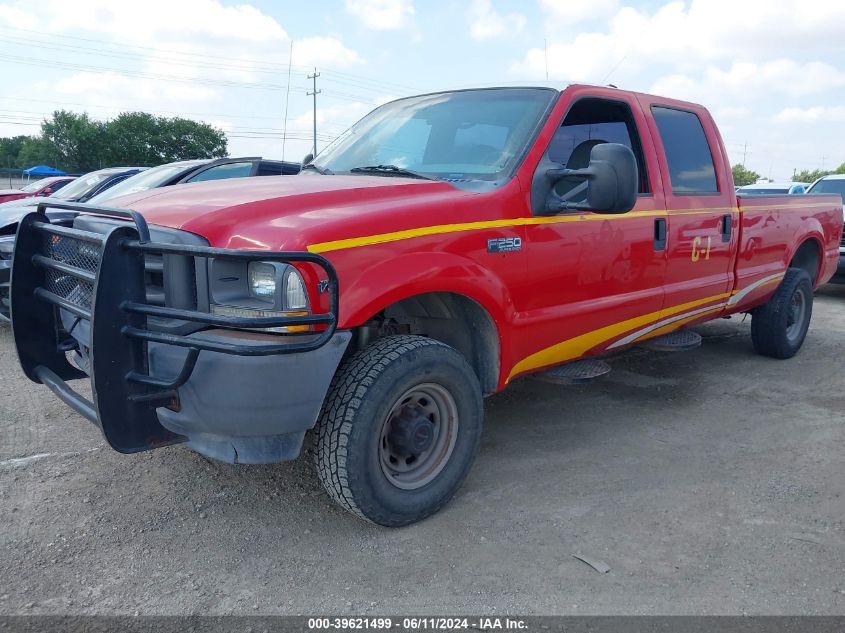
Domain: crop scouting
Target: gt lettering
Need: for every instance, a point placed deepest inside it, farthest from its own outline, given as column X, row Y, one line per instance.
column 696, row 249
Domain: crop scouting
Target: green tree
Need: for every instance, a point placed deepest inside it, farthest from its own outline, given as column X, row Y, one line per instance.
column 840, row 169
column 807, row 175
column 10, row 149
column 37, row 151
column 743, row 176
column 79, row 142
column 139, row 138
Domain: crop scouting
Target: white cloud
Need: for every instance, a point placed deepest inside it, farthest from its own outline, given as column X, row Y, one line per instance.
column 320, row 51
column 382, row 15
column 17, row 18
column 811, row 115
column 749, row 80
column 567, row 13
column 485, row 23
column 677, row 33
column 144, row 22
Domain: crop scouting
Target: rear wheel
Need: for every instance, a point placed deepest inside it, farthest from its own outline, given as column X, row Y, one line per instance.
column 399, row 429
column 779, row 326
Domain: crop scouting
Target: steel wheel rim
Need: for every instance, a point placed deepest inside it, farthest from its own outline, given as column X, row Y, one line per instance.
column 796, row 315
column 428, row 401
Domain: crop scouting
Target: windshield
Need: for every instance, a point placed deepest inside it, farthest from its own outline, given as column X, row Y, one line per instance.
column 149, row 179
column 829, row 185
column 80, row 186
column 466, row 135
column 34, row 186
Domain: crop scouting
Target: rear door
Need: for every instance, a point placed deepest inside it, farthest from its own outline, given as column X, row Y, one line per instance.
column 702, row 219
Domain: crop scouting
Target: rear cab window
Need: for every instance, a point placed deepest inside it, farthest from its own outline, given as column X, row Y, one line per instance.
column 221, row 172
column 688, row 155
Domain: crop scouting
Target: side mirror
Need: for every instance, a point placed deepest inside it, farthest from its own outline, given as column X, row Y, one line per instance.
column 611, row 181
column 308, row 158
column 46, row 192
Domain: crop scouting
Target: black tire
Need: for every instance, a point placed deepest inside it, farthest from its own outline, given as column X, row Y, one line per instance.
column 352, row 454
column 779, row 326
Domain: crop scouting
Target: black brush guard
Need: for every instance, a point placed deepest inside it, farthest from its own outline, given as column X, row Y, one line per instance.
column 102, row 280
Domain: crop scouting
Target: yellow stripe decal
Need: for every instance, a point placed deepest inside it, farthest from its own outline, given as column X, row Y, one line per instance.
column 439, row 229
column 576, row 347
column 354, row 242
column 579, row 345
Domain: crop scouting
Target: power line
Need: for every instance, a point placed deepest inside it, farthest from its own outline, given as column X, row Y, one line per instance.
column 253, row 65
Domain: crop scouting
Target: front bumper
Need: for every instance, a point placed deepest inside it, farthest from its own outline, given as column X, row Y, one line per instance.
column 248, row 409
column 234, row 395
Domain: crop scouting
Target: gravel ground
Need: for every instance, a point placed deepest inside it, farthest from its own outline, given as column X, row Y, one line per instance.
column 709, row 482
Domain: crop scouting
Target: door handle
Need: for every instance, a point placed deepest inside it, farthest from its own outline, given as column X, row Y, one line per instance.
column 727, row 222
column 659, row 234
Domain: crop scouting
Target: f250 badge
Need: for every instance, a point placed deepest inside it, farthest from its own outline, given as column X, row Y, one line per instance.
column 504, row 244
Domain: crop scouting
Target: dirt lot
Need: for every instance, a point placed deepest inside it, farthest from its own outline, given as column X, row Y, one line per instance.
column 710, row 482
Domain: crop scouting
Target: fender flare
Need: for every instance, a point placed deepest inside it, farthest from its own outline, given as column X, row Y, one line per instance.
column 392, row 280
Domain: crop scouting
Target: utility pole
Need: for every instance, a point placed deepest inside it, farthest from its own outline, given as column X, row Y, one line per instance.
column 744, row 152
column 314, row 92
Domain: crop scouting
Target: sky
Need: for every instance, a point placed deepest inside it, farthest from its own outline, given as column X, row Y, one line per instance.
column 772, row 72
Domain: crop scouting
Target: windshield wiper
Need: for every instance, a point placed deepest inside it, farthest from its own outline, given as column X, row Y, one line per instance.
column 393, row 170
column 320, row 170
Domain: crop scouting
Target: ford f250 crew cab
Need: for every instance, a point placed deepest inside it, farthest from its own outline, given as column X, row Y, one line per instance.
column 444, row 246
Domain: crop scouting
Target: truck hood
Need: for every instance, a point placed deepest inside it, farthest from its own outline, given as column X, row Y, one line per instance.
column 11, row 192
column 268, row 212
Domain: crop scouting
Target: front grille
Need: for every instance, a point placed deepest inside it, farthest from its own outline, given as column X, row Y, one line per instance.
column 73, row 252
column 86, row 255
column 154, row 278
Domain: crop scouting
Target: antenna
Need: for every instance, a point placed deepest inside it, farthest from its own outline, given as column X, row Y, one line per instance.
column 546, row 56
column 287, row 102
column 612, row 70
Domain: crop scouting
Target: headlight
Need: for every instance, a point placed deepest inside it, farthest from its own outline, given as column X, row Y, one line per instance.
column 262, row 280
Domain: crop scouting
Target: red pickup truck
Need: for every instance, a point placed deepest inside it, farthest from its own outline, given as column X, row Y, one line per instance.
column 444, row 246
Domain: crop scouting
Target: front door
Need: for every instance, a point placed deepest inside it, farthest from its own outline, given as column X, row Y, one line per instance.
column 593, row 277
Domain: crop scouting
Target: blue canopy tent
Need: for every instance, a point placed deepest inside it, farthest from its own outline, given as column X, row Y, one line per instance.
column 40, row 171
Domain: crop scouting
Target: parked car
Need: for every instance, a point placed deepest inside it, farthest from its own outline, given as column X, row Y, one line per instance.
column 450, row 244
column 180, row 172
column 835, row 183
column 773, row 189
column 198, row 171
column 42, row 187
column 81, row 189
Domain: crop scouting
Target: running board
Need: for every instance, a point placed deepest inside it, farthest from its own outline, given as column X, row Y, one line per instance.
column 679, row 341
column 574, row 373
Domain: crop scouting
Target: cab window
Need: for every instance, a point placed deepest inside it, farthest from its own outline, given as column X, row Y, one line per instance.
column 220, row 172
column 688, row 155
column 588, row 123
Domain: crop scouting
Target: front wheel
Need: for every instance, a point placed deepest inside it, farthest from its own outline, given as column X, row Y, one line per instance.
column 779, row 326
column 399, row 429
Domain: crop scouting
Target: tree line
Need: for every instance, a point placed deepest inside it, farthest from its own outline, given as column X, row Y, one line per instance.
column 743, row 176
column 76, row 143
